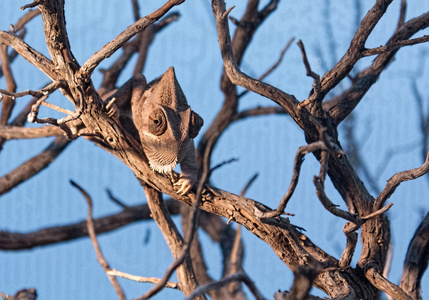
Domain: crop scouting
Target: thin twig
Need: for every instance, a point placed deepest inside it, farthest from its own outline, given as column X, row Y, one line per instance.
column 395, row 46
column 33, row 165
column 259, row 111
column 239, row 276
column 169, row 284
column 397, row 179
column 111, row 47
column 316, row 78
column 274, row 66
column 224, row 163
column 251, row 180
column 95, row 244
column 116, row 200
column 299, row 159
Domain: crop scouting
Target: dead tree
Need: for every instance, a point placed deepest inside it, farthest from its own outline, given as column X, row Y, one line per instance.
column 318, row 117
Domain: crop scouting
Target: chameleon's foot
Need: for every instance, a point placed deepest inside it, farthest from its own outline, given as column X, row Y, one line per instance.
column 185, row 183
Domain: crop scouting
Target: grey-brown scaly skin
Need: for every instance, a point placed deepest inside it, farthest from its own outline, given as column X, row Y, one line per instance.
column 159, row 116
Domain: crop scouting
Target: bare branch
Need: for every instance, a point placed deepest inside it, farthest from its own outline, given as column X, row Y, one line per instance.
column 302, row 283
column 95, row 244
column 259, row 111
column 366, row 78
column 416, row 260
column 193, row 221
column 397, row 179
column 174, row 239
column 25, row 294
column 346, row 257
column 136, row 10
column 352, row 55
column 329, row 206
column 14, row 132
column 111, row 47
column 316, row 83
column 240, row 276
column 8, row 102
column 299, row 159
column 33, row 166
column 49, row 89
column 53, row 235
column 274, row 66
column 402, row 12
column 234, row 73
column 169, row 284
column 32, row 56
column 395, row 46
column 385, row 285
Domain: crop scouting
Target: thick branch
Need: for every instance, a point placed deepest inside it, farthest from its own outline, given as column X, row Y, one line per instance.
column 12, row 132
column 416, row 260
column 386, row 286
column 53, row 235
column 32, row 56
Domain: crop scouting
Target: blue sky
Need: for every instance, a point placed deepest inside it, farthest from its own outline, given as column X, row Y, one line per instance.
column 386, row 122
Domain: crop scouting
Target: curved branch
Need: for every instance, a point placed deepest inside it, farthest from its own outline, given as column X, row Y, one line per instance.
column 416, row 260
column 288, row 102
column 385, row 285
column 95, row 244
column 397, row 179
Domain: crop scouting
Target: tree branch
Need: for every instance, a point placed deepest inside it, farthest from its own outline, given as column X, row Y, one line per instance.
column 416, row 261
column 32, row 56
column 169, row 284
column 385, row 285
column 240, row 276
column 92, row 235
column 14, row 132
column 33, row 166
column 111, row 47
column 397, row 179
column 53, row 235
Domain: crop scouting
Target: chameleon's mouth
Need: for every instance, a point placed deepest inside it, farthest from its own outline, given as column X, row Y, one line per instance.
column 161, row 160
column 162, row 168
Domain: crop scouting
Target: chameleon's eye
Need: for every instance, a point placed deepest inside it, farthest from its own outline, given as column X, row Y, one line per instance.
column 157, row 122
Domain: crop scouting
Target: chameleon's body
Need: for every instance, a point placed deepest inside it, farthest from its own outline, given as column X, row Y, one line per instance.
column 159, row 116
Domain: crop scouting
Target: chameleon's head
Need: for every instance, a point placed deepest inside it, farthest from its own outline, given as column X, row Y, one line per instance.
column 166, row 124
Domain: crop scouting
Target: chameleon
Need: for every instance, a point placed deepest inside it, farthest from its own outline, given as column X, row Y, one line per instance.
column 158, row 114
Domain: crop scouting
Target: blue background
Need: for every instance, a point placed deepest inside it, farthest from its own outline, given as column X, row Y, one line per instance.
column 386, row 123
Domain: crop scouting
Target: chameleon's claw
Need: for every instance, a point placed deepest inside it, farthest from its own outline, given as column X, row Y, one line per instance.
column 185, row 184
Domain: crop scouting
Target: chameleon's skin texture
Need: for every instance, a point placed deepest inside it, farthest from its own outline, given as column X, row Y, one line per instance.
column 159, row 116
